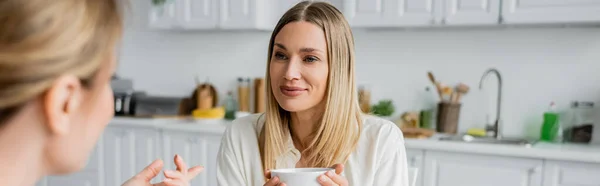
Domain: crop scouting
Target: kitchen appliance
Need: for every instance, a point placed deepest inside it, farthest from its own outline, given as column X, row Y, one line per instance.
column 125, row 102
column 157, row 106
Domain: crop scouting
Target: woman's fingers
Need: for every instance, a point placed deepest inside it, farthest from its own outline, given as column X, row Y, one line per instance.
column 336, row 178
column 174, row 182
column 181, row 166
column 267, row 174
column 339, row 168
column 326, row 181
column 273, row 182
column 330, row 178
column 176, row 175
column 151, row 170
column 193, row 172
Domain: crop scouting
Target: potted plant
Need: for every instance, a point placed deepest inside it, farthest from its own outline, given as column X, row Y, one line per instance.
column 384, row 109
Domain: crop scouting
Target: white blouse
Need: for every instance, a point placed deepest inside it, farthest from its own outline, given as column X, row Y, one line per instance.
column 379, row 158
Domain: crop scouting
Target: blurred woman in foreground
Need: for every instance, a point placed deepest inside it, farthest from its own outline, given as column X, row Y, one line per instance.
column 56, row 60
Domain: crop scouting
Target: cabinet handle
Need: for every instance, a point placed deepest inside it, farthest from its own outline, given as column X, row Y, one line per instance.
column 535, row 170
column 414, row 160
column 123, row 134
column 193, row 140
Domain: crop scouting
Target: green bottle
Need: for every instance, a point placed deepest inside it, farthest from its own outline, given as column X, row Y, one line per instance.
column 551, row 130
column 231, row 106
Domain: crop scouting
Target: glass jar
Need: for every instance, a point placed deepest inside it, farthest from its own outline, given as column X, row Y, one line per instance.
column 580, row 126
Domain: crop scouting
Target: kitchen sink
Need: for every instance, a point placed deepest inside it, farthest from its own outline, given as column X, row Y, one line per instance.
column 489, row 140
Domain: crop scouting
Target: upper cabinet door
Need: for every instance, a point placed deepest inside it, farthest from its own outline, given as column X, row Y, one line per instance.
column 246, row 14
column 282, row 6
column 391, row 13
column 471, row 12
column 550, row 11
column 163, row 15
column 452, row 169
column 198, row 14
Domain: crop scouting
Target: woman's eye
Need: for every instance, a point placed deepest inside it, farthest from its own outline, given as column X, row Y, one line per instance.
column 280, row 56
column 311, row 59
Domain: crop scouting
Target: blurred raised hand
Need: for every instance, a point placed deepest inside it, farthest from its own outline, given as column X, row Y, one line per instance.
column 180, row 177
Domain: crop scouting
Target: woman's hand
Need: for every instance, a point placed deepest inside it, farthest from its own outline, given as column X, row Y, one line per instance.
column 274, row 181
column 333, row 179
column 181, row 177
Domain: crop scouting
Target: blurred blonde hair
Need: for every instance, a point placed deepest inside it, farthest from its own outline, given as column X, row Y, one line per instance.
column 337, row 135
column 41, row 40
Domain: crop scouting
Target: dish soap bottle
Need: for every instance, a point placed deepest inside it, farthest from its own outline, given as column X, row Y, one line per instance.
column 551, row 129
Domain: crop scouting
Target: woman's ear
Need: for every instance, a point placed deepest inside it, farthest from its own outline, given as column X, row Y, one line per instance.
column 61, row 102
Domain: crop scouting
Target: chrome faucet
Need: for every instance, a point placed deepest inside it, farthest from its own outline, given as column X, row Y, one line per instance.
column 496, row 126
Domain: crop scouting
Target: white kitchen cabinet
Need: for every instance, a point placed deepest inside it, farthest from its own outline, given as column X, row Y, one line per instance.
column 550, row 11
column 163, row 15
column 76, row 179
column 392, row 13
column 415, row 158
column 471, row 12
column 246, row 14
column 284, row 5
column 212, row 14
column 195, row 149
column 198, row 14
column 563, row 173
column 127, row 150
column 452, row 169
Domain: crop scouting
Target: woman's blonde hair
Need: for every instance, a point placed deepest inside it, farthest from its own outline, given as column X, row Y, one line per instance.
column 336, row 136
column 41, row 40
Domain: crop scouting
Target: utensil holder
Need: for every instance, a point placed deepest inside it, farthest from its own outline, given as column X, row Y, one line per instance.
column 447, row 117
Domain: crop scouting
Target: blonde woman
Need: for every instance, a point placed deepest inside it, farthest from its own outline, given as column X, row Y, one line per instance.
column 312, row 117
column 56, row 60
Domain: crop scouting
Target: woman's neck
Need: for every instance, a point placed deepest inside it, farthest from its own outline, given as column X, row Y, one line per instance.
column 303, row 124
column 21, row 151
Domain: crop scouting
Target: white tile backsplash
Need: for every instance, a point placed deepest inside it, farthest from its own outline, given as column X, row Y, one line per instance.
column 538, row 65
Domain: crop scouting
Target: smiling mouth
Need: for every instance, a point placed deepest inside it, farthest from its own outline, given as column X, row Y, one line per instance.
column 292, row 91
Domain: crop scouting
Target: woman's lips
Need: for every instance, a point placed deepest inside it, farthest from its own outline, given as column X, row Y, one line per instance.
column 291, row 91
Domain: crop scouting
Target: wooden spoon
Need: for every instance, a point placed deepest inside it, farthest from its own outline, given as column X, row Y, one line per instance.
column 462, row 89
column 437, row 85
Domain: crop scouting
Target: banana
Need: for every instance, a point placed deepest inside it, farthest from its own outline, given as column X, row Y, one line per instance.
column 213, row 113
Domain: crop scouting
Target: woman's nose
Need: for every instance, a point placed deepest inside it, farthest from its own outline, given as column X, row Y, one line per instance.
column 292, row 72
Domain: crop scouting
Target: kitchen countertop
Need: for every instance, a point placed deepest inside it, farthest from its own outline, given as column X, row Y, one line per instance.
column 540, row 150
column 184, row 124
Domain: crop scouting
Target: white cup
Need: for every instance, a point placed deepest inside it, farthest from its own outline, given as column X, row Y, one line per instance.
column 300, row 176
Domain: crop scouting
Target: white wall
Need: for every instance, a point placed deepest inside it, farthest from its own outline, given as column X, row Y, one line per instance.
column 538, row 65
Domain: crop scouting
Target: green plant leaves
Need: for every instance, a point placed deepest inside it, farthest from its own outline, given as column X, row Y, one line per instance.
column 383, row 108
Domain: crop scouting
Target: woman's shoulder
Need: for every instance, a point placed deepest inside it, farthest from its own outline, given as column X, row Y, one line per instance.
column 251, row 123
column 381, row 129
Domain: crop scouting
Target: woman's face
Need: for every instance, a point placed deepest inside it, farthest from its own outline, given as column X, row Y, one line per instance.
column 69, row 152
column 299, row 68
